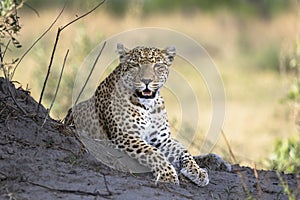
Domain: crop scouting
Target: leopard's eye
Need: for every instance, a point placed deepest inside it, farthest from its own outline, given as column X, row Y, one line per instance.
column 133, row 68
column 134, row 65
column 160, row 68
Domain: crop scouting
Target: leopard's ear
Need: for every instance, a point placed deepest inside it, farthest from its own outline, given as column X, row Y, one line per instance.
column 122, row 52
column 170, row 54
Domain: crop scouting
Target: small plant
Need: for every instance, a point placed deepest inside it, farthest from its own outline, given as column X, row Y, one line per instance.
column 286, row 189
column 291, row 64
column 72, row 159
column 9, row 27
column 229, row 190
column 286, row 156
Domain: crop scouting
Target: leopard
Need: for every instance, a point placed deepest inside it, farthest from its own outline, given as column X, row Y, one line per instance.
column 128, row 110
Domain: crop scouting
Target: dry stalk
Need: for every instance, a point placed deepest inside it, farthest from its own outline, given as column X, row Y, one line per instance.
column 66, row 121
column 258, row 186
column 57, row 87
column 229, row 147
column 6, row 78
column 60, row 29
column 88, row 78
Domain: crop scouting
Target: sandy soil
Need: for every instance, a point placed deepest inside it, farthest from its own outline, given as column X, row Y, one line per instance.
column 43, row 162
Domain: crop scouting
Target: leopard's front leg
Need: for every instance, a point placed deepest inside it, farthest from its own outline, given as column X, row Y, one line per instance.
column 160, row 137
column 176, row 153
column 148, row 156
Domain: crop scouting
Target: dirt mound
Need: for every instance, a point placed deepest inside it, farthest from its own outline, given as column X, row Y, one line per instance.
column 44, row 162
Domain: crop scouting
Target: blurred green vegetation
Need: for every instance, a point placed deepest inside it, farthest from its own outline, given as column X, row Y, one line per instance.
column 9, row 28
column 264, row 57
column 265, row 8
column 7, row 6
column 291, row 64
column 286, row 156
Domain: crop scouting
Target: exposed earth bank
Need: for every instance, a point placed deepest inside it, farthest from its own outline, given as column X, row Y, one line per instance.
column 44, row 161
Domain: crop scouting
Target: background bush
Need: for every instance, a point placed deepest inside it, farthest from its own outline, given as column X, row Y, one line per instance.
column 286, row 156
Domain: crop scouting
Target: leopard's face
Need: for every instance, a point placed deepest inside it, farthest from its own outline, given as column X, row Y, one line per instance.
column 145, row 70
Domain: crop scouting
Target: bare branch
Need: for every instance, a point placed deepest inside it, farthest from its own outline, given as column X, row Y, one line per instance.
column 228, row 146
column 13, row 98
column 78, row 192
column 49, row 70
column 59, row 80
column 88, row 78
column 82, row 16
column 54, row 49
column 57, row 87
column 6, row 77
column 35, row 42
column 2, row 59
column 6, row 47
column 106, row 186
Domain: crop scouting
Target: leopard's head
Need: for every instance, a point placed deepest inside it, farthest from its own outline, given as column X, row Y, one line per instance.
column 145, row 69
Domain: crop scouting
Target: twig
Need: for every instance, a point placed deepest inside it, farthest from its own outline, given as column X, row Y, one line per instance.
column 3, row 109
column 8, row 105
column 29, row 49
column 106, row 186
column 228, row 146
column 177, row 193
column 57, row 87
column 244, row 184
column 3, row 174
column 10, row 195
column 88, row 78
column 76, row 192
column 2, row 59
column 6, row 79
column 13, row 98
column 48, row 72
column 258, row 187
column 287, row 191
column 33, row 9
column 6, row 47
column 54, row 49
column 82, row 16
column 6, row 121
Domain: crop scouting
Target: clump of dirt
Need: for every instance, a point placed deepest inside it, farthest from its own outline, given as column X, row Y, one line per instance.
column 43, row 161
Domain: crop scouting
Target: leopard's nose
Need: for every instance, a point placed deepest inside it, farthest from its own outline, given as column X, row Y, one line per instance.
column 146, row 81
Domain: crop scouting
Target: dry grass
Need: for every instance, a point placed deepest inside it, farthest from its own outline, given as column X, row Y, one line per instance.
column 254, row 114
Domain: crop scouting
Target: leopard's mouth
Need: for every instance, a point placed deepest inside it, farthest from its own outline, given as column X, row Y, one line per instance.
column 146, row 94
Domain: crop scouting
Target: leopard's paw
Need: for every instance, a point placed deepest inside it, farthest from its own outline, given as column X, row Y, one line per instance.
column 197, row 175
